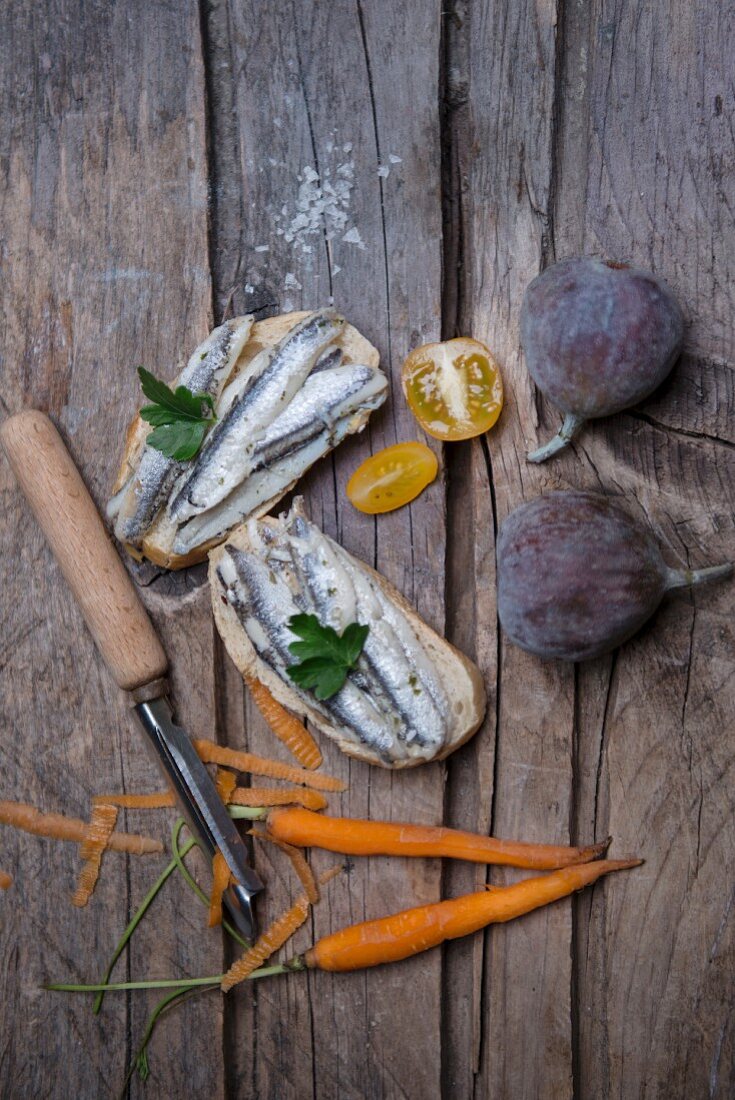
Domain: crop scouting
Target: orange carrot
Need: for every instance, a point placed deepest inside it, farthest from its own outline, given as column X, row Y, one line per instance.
column 6, row 880
column 58, row 827
column 220, row 882
column 101, row 826
column 226, row 783
column 414, row 930
column 278, row 796
column 285, row 725
column 156, row 801
column 211, row 753
column 274, row 937
column 388, row 838
column 298, row 862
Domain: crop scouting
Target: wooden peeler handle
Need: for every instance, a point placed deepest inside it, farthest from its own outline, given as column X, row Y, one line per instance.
column 76, row 534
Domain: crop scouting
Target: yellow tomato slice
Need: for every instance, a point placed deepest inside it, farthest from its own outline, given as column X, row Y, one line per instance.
column 454, row 389
column 392, row 477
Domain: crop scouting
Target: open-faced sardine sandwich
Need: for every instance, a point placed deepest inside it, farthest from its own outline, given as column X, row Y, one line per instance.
column 285, row 391
column 410, row 696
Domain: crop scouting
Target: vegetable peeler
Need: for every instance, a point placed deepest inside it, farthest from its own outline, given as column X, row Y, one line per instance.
column 125, row 637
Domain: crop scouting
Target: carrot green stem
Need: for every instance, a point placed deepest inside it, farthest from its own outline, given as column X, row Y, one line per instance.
column 179, row 854
column 140, row 1062
column 163, row 983
column 565, row 435
column 247, row 813
column 140, row 913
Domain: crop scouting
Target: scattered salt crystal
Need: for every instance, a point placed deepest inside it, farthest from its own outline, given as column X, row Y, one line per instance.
column 347, row 147
column 321, row 207
column 336, row 269
column 394, row 159
column 384, row 171
column 352, row 236
column 249, row 288
column 291, row 282
column 262, row 248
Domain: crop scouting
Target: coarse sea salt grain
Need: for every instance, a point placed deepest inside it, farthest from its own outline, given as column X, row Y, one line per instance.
column 352, row 236
column 384, row 171
column 321, row 207
column 291, row 282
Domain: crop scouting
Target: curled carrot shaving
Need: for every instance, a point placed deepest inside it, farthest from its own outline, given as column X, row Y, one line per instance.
column 268, row 943
column 101, row 826
column 226, row 783
column 277, row 796
column 298, row 862
column 58, row 827
column 274, row 937
column 156, row 801
column 211, row 753
column 220, row 882
column 6, row 880
column 285, row 725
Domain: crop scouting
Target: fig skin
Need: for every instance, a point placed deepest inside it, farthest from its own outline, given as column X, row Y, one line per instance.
column 577, row 576
column 598, row 337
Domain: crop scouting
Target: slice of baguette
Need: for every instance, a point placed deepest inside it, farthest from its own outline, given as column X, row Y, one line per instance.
column 157, row 545
column 461, row 678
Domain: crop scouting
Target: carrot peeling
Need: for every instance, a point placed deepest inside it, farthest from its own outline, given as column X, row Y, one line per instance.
column 58, row 827
column 298, row 862
column 286, row 726
column 268, row 943
column 390, row 838
column 158, row 800
column 274, row 937
column 6, row 880
column 414, row 930
column 277, row 796
column 211, row 753
column 220, row 882
column 101, row 827
column 225, row 782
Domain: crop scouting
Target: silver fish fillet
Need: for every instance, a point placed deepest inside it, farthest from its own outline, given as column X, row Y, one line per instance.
column 395, row 700
column 388, row 669
column 264, row 604
column 320, row 415
column 227, row 455
column 136, row 506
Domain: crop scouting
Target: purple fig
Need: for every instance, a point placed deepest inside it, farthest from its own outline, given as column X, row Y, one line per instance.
column 598, row 337
column 577, row 576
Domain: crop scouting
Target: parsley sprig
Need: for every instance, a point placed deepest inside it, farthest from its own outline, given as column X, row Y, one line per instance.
column 179, row 417
column 325, row 656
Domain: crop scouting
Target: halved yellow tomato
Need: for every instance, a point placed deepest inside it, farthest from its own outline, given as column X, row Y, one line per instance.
column 454, row 389
column 392, row 477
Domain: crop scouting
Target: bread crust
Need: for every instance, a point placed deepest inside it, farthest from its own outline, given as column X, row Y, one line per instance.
column 468, row 689
column 156, row 546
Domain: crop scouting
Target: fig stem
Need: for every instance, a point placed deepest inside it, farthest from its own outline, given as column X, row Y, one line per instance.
column 570, row 427
column 687, row 578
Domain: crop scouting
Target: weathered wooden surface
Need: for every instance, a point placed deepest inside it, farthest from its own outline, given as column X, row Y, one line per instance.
column 513, row 134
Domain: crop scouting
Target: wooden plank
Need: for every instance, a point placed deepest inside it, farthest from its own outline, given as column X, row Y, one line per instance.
column 331, row 84
column 507, row 160
column 104, row 257
column 642, row 176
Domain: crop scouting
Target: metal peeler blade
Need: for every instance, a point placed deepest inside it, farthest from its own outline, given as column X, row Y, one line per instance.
column 203, row 808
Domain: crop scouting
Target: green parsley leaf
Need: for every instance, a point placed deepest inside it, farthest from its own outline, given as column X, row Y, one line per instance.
column 179, row 417
column 179, row 441
column 326, row 656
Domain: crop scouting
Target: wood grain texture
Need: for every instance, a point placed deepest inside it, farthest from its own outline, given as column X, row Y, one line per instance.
column 327, row 80
column 508, row 136
column 104, row 266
